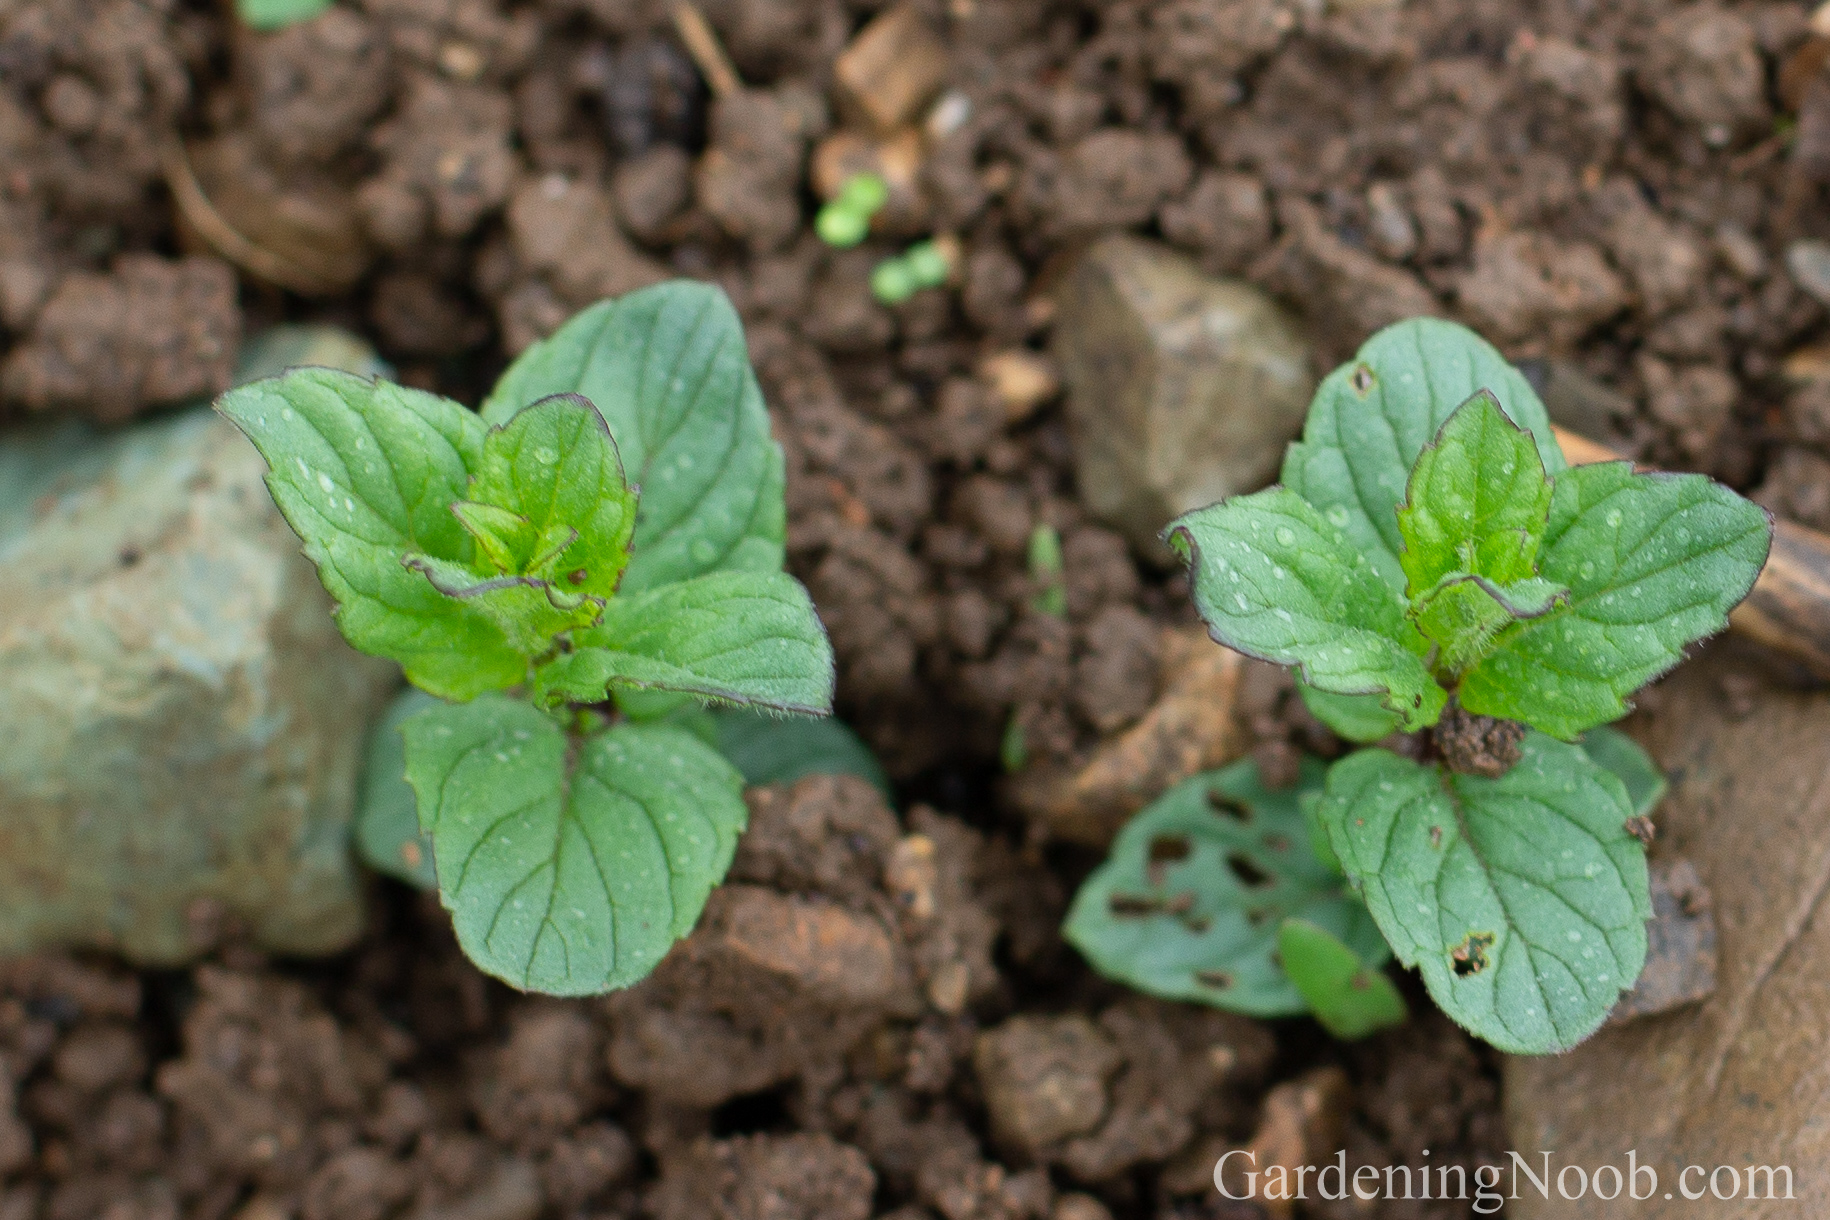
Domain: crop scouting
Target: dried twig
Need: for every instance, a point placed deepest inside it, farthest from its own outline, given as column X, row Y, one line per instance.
column 707, row 52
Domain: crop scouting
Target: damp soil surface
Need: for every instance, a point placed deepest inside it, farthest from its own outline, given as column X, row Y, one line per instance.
column 877, row 1017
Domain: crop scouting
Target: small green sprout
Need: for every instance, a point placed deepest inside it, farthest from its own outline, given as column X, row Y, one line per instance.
column 500, row 557
column 278, row 14
column 1013, row 749
column 1432, row 565
column 846, row 220
column 1045, row 571
column 923, row 265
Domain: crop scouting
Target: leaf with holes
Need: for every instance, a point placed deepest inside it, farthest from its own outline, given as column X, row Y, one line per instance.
column 365, row 473
column 1372, row 417
column 570, row 877
column 1276, row 581
column 1349, row 998
column 730, row 637
column 1653, row 562
column 1522, row 900
column 1188, row 904
column 668, row 370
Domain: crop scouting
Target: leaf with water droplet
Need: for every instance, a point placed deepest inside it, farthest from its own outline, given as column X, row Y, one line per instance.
column 1479, row 882
column 668, row 369
column 1613, row 531
column 395, row 460
column 570, row 877
column 1336, row 619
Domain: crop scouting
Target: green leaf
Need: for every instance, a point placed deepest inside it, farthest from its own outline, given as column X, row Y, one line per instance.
column 387, row 830
column 1354, row 717
column 1464, row 612
column 528, row 611
column 1522, row 900
column 734, row 637
column 1349, row 998
column 1276, row 581
column 554, row 474
column 1631, row 765
column 1373, row 416
column 570, row 884
column 278, row 14
column 1476, row 502
column 366, row 472
column 771, row 749
column 1188, row 904
column 668, row 370
column 1653, row 562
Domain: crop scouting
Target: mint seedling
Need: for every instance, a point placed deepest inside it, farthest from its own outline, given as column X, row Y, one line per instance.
column 598, row 549
column 925, row 264
column 846, row 220
column 1432, row 565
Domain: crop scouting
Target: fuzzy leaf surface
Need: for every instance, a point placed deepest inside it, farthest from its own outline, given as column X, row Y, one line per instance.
column 570, row 884
column 1350, row 999
column 1464, row 612
column 1477, row 501
column 1373, row 416
column 1276, row 581
column 733, row 637
column 1653, row 562
column 1522, row 900
column 668, row 369
column 366, row 472
column 1188, row 903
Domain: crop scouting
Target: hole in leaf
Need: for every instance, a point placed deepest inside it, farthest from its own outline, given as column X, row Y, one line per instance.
column 1227, row 806
column 1256, row 915
column 1219, row 979
column 1164, row 851
column 1435, row 836
column 1181, row 904
column 1197, row 925
column 1132, row 905
column 1277, row 842
column 1249, row 874
column 1363, row 381
column 1470, row 957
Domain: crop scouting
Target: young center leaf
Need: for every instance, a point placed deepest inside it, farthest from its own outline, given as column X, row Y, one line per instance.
column 1349, row 998
column 1188, row 904
column 732, row 637
column 570, row 883
column 668, row 370
column 1275, row 580
column 1373, row 416
column 1522, row 900
column 1477, row 501
column 1653, row 562
column 365, row 472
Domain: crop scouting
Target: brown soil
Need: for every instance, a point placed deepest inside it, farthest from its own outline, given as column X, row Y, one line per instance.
column 1611, row 185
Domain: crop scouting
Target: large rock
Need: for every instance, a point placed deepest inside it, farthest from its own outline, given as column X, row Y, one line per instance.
column 182, row 723
column 1183, row 389
column 1742, row 1080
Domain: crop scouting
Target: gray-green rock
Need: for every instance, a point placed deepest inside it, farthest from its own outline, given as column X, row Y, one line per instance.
column 1183, row 389
column 181, row 725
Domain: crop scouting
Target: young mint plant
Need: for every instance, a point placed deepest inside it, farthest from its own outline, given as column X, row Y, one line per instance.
column 598, row 549
column 1431, row 562
column 1214, row 894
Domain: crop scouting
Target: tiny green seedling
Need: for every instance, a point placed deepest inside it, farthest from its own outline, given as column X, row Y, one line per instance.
column 1431, row 565
column 1046, row 571
column 846, row 220
column 923, row 265
column 566, row 620
column 277, row 14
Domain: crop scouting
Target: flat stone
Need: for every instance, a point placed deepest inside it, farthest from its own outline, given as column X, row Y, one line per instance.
column 183, row 722
column 1183, row 389
column 1743, row 1078
column 1681, row 950
column 1044, row 1079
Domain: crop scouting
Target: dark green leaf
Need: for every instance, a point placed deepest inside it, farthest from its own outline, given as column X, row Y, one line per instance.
column 387, row 820
column 668, row 369
column 1631, row 765
column 570, row 885
column 366, row 472
column 1348, row 997
column 1653, row 562
column 735, row 637
column 1523, row 900
column 771, row 749
column 1188, row 904
column 1373, row 416
column 1476, row 502
column 1276, row 581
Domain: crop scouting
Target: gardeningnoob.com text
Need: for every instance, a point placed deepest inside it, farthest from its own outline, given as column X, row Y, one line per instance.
column 1237, row 1175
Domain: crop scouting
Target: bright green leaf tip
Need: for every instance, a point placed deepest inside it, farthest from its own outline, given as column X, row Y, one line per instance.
column 1349, row 998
